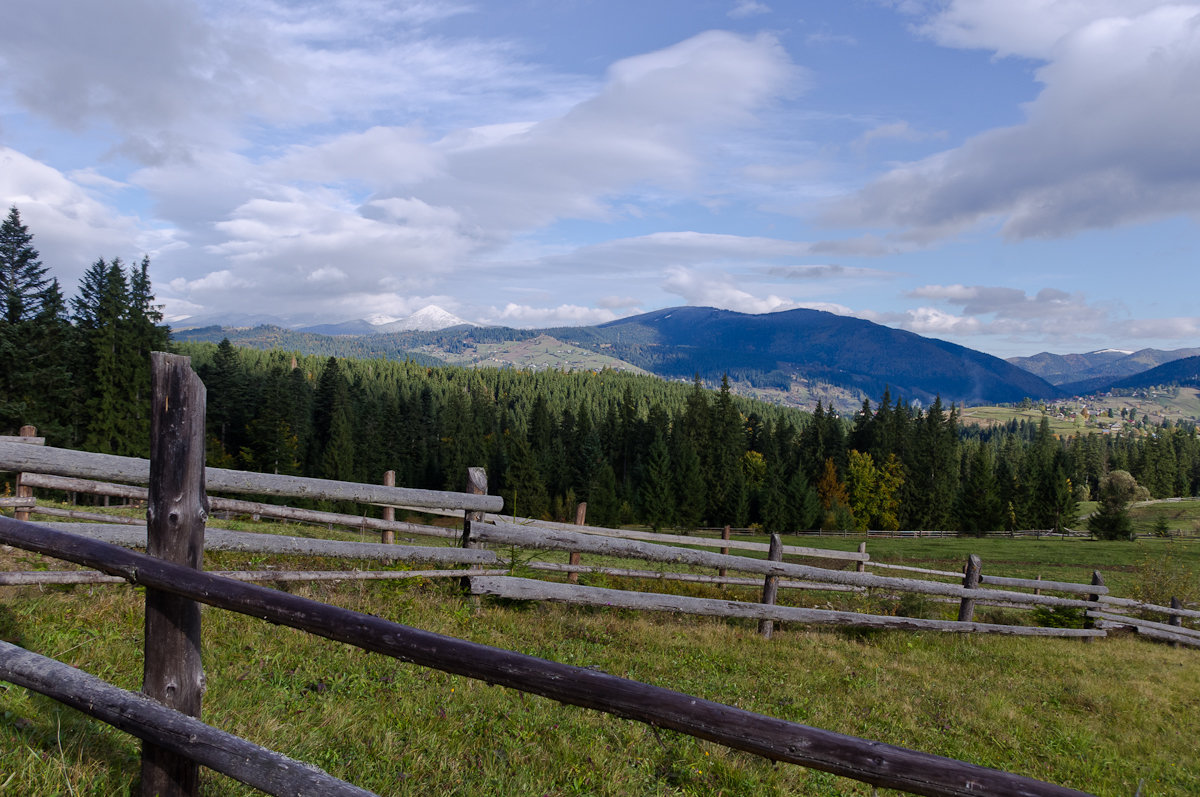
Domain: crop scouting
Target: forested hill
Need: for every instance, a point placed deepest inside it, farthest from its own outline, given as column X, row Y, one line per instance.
column 771, row 350
column 772, row 347
column 639, row 449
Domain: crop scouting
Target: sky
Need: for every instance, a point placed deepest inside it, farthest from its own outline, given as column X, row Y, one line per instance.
column 1015, row 176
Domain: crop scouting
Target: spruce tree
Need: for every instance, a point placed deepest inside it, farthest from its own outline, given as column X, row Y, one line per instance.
column 22, row 275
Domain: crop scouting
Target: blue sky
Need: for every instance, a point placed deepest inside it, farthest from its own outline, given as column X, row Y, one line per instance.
column 1013, row 175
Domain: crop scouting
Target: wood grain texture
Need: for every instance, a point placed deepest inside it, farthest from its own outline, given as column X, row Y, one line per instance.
column 168, row 729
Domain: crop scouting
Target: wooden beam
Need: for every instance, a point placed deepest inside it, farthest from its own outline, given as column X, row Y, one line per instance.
column 224, row 540
column 561, row 540
column 1037, row 583
column 168, row 729
column 766, row 626
column 216, row 504
column 177, row 507
column 871, row 762
column 88, row 465
column 532, row 589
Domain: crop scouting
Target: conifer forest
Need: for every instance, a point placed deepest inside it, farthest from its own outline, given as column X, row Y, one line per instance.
column 637, row 449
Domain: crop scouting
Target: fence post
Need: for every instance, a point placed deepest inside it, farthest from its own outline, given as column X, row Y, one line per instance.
column 771, row 586
column 575, row 558
column 861, row 566
column 22, row 490
column 1175, row 619
column 966, row 609
column 1097, row 581
column 389, row 512
column 723, row 571
column 175, row 516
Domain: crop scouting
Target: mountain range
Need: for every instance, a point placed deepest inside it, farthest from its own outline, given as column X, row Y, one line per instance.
column 793, row 354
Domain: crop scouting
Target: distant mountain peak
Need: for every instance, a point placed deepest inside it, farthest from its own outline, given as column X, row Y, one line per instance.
column 429, row 318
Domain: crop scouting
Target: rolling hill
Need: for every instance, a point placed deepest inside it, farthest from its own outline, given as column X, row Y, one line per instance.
column 770, row 350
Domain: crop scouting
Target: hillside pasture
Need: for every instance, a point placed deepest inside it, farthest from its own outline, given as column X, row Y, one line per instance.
column 1102, row 717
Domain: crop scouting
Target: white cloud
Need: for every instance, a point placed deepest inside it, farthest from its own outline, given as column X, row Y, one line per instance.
column 1112, row 139
column 563, row 315
column 748, row 8
column 719, row 290
column 72, row 225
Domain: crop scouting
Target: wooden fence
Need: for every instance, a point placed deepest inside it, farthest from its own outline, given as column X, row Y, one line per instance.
column 176, row 742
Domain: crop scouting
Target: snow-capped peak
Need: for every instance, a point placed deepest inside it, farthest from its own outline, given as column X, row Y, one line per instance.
column 428, row 319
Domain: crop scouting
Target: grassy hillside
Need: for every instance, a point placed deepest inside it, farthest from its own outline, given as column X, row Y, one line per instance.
column 1102, row 717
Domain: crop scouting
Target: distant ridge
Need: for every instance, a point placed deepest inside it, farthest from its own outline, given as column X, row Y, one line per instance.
column 1098, row 367
column 781, row 351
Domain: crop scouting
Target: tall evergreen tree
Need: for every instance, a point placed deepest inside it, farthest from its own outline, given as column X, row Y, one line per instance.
column 22, row 275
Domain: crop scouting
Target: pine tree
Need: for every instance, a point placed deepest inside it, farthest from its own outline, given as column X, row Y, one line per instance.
column 22, row 275
column 657, row 494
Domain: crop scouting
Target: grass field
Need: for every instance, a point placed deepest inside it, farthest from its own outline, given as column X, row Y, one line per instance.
column 1102, row 717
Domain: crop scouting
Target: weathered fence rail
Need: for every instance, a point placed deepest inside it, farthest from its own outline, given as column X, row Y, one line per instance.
column 107, row 467
column 867, row 761
column 530, row 589
column 216, row 504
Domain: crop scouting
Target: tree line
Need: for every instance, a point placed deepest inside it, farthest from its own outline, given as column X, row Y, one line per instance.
column 636, row 449
column 80, row 372
column 639, row 449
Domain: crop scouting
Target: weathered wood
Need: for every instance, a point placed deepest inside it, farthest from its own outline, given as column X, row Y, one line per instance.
column 1038, row 583
column 88, row 465
column 867, row 761
column 911, row 569
column 1138, row 622
column 223, row 540
column 766, row 626
column 44, row 577
column 1128, row 603
column 14, row 502
column 476, row 485
column 698, row 578
column 246, row 507
column 1152, row 633
column 1098, row 581
column 531, row 589
column 23, row 489
column 1175, row 620
column 388, row 537
column 966, row 608
column 861, row 566
column 575, row 557
column 77, row 514
column 168, row 729
column 724, row 571
column 29, row 441
column 561, row 540
column 177, row 507
column 680, row 539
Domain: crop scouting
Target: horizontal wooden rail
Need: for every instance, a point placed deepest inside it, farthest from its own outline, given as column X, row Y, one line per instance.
column 871, row 762
column 17, row 502
column 910, row 569
column 76, row 514
column 661, row 575
column 680, row 539
column 562, row 540
column 1128, row 603
column 151, row 721
column 68, row 484
column 29, row 441
column 1057, row 586
column 1139, row 623
column 223, row 540
column 531, row 589
column 87, row 465
column 41, row 577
